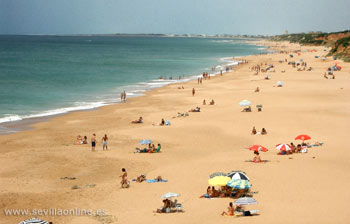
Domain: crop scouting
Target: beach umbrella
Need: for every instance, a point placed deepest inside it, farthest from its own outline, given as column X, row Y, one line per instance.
column 145, row 141
column 219, row 181
column 303, row 137
column 239, row 184
column 34, row 220
column 245, row 201
column 170, row 195
column 258, row 148
column 245, row 103
column 283, row 147
column 217, row 174
column 238, row 175
column 279, row 83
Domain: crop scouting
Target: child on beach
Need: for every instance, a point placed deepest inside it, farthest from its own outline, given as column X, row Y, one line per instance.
column 124, row 181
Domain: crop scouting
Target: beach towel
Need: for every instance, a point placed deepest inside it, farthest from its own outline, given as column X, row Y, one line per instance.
column 155, row 181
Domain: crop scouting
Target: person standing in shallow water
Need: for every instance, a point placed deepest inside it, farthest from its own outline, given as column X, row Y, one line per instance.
column 93, row 142
column 124, row 96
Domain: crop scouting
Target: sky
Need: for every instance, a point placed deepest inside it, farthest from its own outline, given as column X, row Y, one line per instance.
column 252, row 17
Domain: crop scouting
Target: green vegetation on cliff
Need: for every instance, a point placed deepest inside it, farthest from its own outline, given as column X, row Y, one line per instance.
column 338, row 41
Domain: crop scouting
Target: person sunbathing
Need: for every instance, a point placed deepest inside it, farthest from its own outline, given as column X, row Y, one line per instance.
column 257, row 90
column 138, row 121
column 230, row 210
column 257, row 158
column 212, row 102
column 247, row 109
column 162, row 123
column 254, row 131
column 166, row 207
column 79, row 140
column 298, row 149
column 207, row 194
column 141, row 178
column 214, row 193
column 85, row 140
column 263, row 131
column 197, row 109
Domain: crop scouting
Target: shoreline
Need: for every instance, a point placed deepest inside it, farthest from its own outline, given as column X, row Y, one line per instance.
column 193, row 147
column 27, row 121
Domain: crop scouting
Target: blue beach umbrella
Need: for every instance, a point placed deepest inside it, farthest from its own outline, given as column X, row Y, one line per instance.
column 239, row 184
column 145, row 141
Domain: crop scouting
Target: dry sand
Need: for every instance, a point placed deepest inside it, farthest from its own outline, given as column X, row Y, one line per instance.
column 298, row 188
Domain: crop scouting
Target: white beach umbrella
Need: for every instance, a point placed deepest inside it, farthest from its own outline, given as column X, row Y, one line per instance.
column 245, row 103
column 34, row 220
column 170, row 195
column 245, row 201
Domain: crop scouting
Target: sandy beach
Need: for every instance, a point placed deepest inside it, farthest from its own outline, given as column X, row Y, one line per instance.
column 297, row 188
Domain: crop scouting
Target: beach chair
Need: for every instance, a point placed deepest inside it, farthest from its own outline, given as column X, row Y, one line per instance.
column 178, row 206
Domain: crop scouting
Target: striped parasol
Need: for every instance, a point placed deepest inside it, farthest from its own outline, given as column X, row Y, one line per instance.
column 283, row 147
column 34, row 220
column 239, row 184
column 238, row 175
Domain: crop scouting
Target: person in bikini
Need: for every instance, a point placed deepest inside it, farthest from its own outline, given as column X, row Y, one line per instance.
column 230, row 210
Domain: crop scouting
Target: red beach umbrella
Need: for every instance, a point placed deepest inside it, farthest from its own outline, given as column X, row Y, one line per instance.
column 303, row 137
column 283, row 147
column 258, row 148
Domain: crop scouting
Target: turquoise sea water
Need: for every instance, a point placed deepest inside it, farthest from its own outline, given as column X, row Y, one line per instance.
column 47, row 75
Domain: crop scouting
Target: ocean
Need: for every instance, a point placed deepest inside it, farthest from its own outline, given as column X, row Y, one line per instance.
column 49, row 75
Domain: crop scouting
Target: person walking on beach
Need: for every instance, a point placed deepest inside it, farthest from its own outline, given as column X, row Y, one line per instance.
column 93, row 142
column 124, row 177
column 104, row 142
column 121, row 97
column 193, row 92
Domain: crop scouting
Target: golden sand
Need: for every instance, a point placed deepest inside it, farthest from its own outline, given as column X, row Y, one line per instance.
column 298, row 188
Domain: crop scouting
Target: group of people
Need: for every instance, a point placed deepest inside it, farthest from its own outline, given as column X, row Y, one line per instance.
column 150, row 149
column 224, row 191
column 212, row 102
column 81, row 141
column 263, row 131
column 93, row 140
